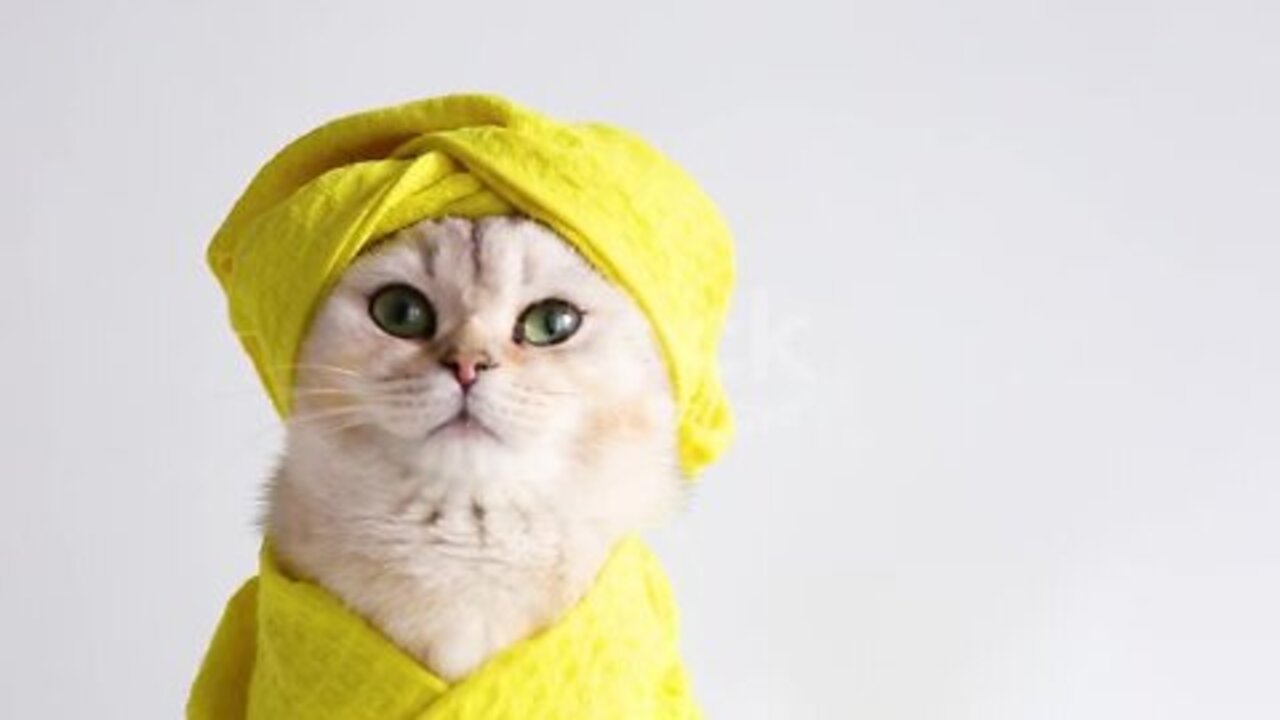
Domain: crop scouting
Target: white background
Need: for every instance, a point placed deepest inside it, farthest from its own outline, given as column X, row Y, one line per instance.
column 1004, row 352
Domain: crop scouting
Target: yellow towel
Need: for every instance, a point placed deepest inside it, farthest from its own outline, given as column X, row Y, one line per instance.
column 630, row 211
column 288, row 650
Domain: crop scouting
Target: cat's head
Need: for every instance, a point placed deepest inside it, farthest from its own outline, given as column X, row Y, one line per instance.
column 488, row 353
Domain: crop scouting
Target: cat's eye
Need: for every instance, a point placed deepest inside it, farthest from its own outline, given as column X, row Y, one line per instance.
column 548, row 322
column 402, row 311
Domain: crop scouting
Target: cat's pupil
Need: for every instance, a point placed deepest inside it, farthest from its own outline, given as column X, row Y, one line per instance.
column 406, row 313
column 557, row 321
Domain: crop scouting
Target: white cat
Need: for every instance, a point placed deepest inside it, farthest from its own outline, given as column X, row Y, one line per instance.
column 478, row 417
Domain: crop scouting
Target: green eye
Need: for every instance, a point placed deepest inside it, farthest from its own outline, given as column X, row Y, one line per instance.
column 403, row 311
column 548, row 322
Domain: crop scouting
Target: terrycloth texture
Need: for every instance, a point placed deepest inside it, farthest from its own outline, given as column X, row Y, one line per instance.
column 630, row 211
column 287, row 649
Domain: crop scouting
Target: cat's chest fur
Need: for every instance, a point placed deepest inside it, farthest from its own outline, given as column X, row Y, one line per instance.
column 451, row 577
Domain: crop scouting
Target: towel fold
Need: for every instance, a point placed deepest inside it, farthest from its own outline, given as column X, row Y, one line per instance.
column 287, row 649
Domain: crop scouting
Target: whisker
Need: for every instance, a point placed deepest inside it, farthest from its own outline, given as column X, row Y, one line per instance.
column 326, row 414
column 370, row 390
column 318, row 366
column 347, row 426
column 321, row 391
column 535, row 391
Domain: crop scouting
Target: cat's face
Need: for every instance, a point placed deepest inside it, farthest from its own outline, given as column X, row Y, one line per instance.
column 485, row 351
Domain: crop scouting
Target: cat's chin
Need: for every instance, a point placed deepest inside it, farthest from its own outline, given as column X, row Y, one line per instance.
column 466, row 454
column 462, row 428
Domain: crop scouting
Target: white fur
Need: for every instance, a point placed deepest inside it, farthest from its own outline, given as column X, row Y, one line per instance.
column 458, row 544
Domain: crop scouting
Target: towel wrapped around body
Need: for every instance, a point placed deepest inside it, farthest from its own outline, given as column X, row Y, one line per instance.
column 288, row 650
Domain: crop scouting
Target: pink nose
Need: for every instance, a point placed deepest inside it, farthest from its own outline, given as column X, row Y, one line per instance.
column 467, row 369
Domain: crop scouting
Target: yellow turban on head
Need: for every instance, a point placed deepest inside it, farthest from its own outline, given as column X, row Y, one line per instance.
column 635, row 215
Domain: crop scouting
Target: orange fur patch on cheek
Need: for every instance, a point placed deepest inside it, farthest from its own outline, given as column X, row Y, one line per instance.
column 516, row 356
column 611, row 422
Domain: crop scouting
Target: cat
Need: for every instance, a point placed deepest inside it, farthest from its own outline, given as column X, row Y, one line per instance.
column 479, row 415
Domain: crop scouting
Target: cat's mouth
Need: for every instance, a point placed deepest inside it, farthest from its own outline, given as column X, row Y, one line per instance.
column 463, row 425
